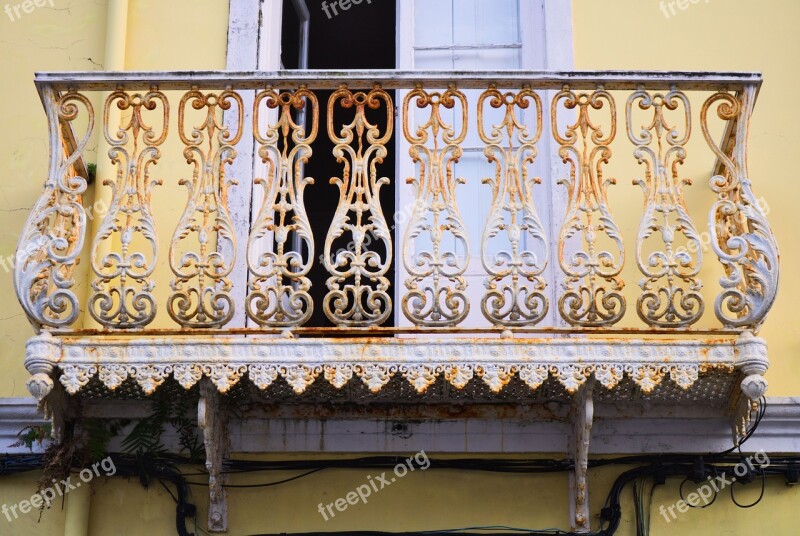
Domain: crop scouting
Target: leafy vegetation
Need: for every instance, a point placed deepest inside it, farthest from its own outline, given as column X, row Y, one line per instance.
column 31, row 435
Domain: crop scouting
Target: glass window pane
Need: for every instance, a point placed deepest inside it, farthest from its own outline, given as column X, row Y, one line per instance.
column 447, row 23
column 433, row 22
column 482, row 59
column 473, row 196
column 433, row 60
column 465, row 22
column 497, row 21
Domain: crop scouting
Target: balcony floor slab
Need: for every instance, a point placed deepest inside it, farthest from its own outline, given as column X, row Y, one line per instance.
column 422, row 369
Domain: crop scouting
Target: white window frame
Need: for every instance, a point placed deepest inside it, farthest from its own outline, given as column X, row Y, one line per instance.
column 249, row 23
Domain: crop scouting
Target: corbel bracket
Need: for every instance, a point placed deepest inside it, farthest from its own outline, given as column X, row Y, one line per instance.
column 581, row 417
column 752, row 361
column 213, row 421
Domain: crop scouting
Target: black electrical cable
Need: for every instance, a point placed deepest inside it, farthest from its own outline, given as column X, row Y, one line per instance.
column 657, row 467
column 761, row 496
column 10, row 464
column 762, row 410
column 162, row 471
column 492, row 527
column 660, row 466
column 688, row 503
column 514, row 531
column 264, row 485
column 612, row 508
column 169, row 491
column 516, row 466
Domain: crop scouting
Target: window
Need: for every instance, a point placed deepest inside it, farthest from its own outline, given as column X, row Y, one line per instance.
column 479, row 35
column 410, row 34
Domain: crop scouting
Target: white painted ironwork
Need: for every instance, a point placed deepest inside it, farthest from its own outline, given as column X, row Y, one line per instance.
column 460, row 362
column 278, row 293
column 435, row 289
column 123, row 290
column 515, row 356
column 358, row 289
column 49, row 247
column 660, row 146
column 200, row 296
column 515, row 286
column 591, row 295
column 435, row 249
column 740, row 234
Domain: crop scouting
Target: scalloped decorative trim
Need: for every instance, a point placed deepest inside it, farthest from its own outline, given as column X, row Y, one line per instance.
column 419, row 361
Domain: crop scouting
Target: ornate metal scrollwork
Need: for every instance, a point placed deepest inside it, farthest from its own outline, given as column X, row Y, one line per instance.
column 436, row 287
column 740, row 234
column 201, row 286
column 671, row 289
column 591, row 294
column 358, row 287
column 279, row 290
column 515, row 285
column 123, row 296
column 53, row 236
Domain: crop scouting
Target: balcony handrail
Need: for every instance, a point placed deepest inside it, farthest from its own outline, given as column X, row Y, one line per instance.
column 395, row 79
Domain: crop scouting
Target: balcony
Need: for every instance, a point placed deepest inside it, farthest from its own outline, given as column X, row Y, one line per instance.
column 548, row 284
column 543, row 301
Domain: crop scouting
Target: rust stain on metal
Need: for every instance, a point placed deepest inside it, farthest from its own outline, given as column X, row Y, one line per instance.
column 721, row 335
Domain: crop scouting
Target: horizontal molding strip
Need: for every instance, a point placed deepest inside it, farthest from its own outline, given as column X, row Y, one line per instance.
column 393, row 79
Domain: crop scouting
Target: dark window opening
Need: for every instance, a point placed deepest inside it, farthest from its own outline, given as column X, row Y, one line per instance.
column 362, row 37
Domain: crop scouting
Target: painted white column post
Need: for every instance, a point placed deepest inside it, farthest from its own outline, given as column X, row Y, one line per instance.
column 244, row 32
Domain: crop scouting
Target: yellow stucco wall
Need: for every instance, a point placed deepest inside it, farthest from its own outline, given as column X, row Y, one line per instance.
column 48, row 39
column 178, row 34
column 716, row 35
column 434, row 499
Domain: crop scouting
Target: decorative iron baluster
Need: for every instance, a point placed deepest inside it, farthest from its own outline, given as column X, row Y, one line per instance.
column 201, row 286
column 53, row 236
column 279, row 291
column 123, row 296
column 358, row 287
column 515, row 285
column 740, row 234
column 436, row 287
column 665, row 302
column 588, row 217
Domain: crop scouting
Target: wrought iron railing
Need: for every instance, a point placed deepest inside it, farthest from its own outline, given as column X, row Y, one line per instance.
column 563, row 272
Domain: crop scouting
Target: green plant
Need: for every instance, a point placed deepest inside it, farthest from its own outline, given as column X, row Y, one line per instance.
column 91, row 171
column 31, row 435
column 146, row 436
column 98, row 433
